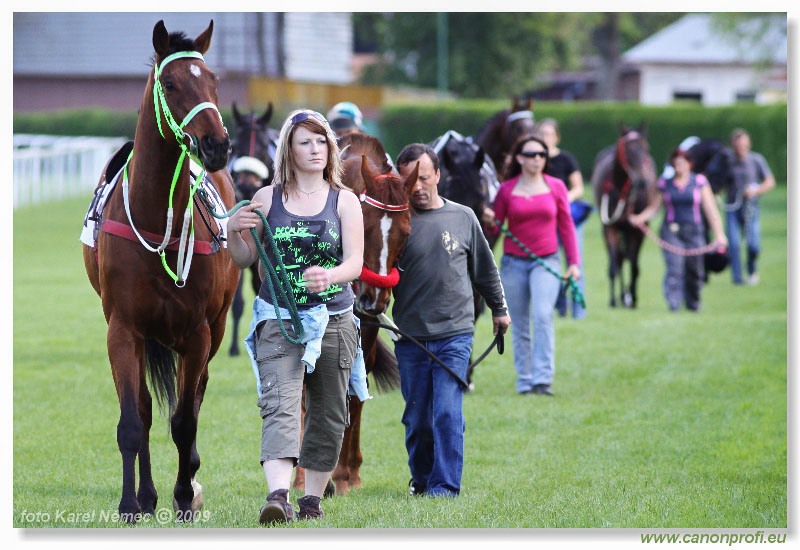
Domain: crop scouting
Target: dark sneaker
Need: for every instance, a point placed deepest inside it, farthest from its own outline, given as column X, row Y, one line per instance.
column 543, row 389
column 277, row 509
column 309, row 508
column 415, row 489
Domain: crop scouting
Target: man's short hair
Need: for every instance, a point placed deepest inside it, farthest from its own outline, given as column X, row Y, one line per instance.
column 414, row 151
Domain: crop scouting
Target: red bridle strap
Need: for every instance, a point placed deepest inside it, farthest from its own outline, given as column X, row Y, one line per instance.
column 380, row 281
column 382, row 206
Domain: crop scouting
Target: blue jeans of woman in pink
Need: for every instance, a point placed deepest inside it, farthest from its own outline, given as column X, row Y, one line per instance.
column 531, row 292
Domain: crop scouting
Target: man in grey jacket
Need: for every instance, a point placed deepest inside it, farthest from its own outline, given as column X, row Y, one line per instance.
column 445, row 255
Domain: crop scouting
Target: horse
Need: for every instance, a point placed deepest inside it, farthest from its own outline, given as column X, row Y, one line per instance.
column 499, row 134
column 467, row 176
column 253, row 138
column 385, row 200
column 624, row 182
column 163, row 324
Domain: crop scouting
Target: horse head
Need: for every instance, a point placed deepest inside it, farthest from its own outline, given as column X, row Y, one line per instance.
column 254, row 138
column 518, row 123
column 461, row 164
column 185, row 96
column 634, row 168
column 387, row 223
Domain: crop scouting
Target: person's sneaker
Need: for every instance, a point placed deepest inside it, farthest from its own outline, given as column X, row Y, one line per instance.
column 752, row 279
column 277, row 509
column 543, row 389
column 415, row 489
column 309, row 508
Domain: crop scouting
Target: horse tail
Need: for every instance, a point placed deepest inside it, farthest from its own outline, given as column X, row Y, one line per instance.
column 160, row 362
column 385, row 371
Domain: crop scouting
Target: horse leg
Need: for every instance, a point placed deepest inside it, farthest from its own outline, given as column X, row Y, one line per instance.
column 633, row 258
column 355, row 457
column 126, row 355
column 612, row 246
column 147, row 495
column 237, row 308
column 191, row 371
column 299, row 481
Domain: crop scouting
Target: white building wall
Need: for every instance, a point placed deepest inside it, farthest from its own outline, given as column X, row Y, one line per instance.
column 718, row 85
column 318, row 47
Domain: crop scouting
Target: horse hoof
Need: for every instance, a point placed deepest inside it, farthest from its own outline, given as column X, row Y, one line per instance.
column 233, row 352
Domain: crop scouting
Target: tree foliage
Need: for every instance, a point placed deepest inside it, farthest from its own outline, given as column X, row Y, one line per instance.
column 497, row 54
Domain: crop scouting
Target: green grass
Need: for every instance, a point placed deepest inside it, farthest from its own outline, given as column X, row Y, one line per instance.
column 660, row 420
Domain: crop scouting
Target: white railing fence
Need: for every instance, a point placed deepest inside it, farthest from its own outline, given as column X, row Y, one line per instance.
column 51, row 168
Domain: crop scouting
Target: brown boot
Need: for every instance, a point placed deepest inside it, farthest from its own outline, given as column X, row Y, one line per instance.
column 277, row 509
column 309, row 508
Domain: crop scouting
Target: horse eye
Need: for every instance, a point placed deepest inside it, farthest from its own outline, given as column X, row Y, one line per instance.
column 168, row 85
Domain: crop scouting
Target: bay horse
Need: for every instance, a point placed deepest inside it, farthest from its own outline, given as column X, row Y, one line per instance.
column 624, row 182
column 253, row 138
column 385, row 199
column 499, row 134
column 163, row 324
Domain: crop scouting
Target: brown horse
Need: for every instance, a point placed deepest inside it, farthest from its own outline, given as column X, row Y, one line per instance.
column 155, row 311
column 499, row 134
column 624, row 180
column 387, row 224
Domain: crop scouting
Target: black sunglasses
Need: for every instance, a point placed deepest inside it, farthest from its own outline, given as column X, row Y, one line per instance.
column 533, row 154
column 303, row 115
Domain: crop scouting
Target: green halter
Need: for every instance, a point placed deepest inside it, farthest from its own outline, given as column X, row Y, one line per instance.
column 185, row 248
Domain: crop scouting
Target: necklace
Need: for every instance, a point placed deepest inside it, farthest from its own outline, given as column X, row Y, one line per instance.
column 309, row 193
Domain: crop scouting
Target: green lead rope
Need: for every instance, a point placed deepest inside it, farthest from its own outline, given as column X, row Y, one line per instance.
column 572, row 286
column 281, row 281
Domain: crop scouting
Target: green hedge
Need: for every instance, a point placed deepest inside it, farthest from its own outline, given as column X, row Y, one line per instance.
column 586, row 127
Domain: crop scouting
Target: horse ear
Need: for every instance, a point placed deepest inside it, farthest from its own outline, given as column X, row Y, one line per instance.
column 479, row 157
column 366, row 171
column 529, row 104
column 203, row 41
column 160, row 39
column 264, row 119
column 236, row 114
column 623, row 129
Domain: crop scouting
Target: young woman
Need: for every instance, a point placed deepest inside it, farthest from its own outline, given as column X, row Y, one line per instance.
column 318, row 230
column 536, row 210
column 686, row 197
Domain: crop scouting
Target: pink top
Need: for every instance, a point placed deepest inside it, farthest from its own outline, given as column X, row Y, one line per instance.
column 537, row 221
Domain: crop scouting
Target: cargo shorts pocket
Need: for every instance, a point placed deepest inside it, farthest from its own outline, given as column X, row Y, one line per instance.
column 348, row 341
column 270, row 398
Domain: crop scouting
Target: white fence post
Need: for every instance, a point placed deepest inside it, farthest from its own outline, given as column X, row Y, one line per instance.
column 51, row 168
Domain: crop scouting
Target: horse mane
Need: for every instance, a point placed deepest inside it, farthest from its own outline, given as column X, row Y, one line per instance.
column 178, row 42
column 494, row 124
column 358, row 144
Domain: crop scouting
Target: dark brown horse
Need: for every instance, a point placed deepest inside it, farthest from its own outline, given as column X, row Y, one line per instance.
column 387, row 224
column 499, row 134
column 165, row 321
column 253, row 138
column 467, row 176
column 624, row 181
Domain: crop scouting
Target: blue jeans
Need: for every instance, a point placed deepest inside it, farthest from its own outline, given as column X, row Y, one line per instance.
column 531, row 292
column 748, row 218
column 433, row 414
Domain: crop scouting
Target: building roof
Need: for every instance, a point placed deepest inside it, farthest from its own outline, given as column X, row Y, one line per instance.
column 693, row 40
column 120, row 44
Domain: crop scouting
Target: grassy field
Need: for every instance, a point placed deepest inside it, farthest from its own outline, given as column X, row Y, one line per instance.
column 660, row 420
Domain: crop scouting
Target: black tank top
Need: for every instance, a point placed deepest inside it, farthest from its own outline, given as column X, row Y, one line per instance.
column 303, row 241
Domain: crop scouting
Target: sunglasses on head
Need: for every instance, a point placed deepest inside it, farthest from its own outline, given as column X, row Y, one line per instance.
column 303, row 115
column 533, row 154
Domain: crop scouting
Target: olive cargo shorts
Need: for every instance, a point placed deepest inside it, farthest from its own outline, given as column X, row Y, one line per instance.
column 282, row 376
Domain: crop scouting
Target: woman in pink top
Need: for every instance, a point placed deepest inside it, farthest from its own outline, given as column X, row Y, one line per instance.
column 535, row 209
